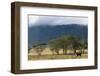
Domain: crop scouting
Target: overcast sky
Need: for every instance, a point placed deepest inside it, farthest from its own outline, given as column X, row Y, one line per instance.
column 56, row 20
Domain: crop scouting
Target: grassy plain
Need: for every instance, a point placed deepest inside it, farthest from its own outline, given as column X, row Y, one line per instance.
column 47, row 54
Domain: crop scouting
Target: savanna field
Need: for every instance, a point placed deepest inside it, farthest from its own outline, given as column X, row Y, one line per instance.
column 47, row 54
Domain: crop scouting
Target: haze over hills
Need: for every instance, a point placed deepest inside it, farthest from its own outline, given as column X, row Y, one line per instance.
column 45, row 33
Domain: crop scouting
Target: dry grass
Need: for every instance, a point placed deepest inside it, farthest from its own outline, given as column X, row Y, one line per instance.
column 46, row 57
column 47, row 54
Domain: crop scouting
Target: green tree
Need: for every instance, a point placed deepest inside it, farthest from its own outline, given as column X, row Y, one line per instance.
column 74, row 43
column 67, row 42
column 64, row 43
column 84, row 45
column 59, row 43
column 54, row 46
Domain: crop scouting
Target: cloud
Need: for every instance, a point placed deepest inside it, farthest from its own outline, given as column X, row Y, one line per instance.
column 56, row 20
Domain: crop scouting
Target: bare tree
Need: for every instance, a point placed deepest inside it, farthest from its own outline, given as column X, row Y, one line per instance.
column 39, row 48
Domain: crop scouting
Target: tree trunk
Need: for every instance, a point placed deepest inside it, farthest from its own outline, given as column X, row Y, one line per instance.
column 74, row 51
column 57, row 52
column 83, row 51
column 66, row 51
column 63, row 51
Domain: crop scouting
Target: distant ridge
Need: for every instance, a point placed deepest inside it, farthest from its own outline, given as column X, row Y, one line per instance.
column 44, row 33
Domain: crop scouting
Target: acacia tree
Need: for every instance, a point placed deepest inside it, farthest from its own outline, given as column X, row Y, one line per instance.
column 84, row 45
column 59, row 43
column 39, row 48
column 74, row 42
column 64, row 43
column 54, row 46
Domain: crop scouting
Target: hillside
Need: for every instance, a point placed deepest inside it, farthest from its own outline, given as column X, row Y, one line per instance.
column 44, row 33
